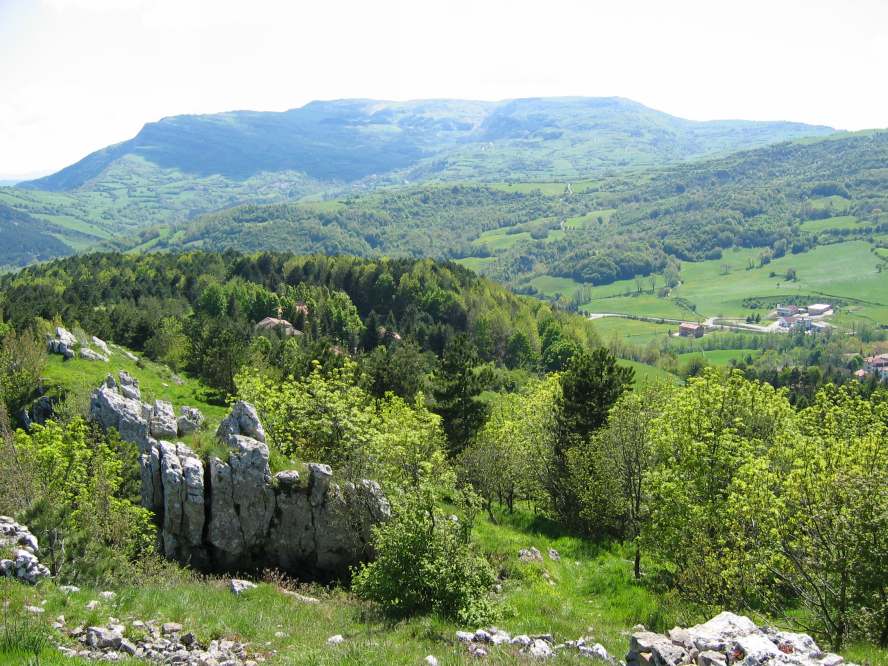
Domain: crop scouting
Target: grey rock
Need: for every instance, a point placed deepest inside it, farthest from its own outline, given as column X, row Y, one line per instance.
column 831, row 660
column 431, row 660
column 711, row 658
column 163, row 421
column 240, row 586
column 465, row 636
column 152, row 483
column 522, row 640
column 103, row 347
column 242, row 420
column 69, row 589
column 644, row 641
column 304, row 599
column 182, row 475
column 90, row 355
column 598, row 652
column 530, row 555
column 334, row 640
column 554, row 555
column 799, row 644
column 65, row 337
column 171, row 627
column 99, row 637
column 129, row 386
column 666, row 653
column 540, row 648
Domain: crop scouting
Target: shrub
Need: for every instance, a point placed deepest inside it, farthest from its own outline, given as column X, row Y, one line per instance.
column 426, row 563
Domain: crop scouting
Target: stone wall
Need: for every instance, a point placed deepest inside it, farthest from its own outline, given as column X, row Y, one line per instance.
column 232, row 515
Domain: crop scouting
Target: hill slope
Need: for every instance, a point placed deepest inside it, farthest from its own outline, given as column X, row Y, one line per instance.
column 788, row 197
column 349, row 140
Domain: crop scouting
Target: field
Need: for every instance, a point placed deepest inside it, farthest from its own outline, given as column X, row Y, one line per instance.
column 633, row 331
column 720, row 357
column 645, row 373
column 843, row 222
column 551, row 285
column 843, row 270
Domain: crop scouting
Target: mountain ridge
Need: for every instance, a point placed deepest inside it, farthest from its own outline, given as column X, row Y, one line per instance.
column 352, row 140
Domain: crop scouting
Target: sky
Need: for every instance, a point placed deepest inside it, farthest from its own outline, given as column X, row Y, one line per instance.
column 78, row 75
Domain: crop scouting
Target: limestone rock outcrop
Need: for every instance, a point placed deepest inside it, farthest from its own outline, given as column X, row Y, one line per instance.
column 228, row 514
column 118, row 404
column 250, row 520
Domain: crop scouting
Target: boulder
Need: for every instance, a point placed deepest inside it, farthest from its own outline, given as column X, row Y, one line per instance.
column 242, row 420
column 101, row 345
column 240, row 586
column 90, row 355
column 189, row 421
column 540, row 648
column 99, row 637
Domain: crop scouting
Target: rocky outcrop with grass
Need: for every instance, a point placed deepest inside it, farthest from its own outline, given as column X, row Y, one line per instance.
column 25, row 567
column 227, row 513
column 118, row 404
column 727, row 639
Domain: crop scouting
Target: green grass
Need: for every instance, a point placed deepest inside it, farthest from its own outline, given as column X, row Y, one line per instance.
column 78, row 375
column 548, row 189
column 477, row 264
column 589, row 219
column 550, row 285
column 843, row 222
column 500, row 241
column 632, row 331
column 645, row 373
column 719, row 357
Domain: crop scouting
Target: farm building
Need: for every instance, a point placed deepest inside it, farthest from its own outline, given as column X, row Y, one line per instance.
column 787, row 310
column 688, row 330
column 819, row 309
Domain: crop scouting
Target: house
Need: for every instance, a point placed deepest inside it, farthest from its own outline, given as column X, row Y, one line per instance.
column 819, row 309
column 876, row 363
column 860, row 374
column 787, row 310
column 273, row 322
column 688, row 330
column 794, row 322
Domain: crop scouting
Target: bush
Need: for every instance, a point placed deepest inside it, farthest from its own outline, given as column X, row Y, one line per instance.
column 426, row 563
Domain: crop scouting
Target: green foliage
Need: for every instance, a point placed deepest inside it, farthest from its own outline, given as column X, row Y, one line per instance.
column 512, row 457
column 458, row 381
column 22, row 360
column 23, row 635
column 76, row 493
column 812, row 512
column 591, row 385
column 427, row 564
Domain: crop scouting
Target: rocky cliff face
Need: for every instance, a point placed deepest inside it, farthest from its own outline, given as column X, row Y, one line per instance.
column 232, row 515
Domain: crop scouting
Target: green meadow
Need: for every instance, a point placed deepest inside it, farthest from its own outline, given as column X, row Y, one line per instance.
column 720, row 357
column 633, row 331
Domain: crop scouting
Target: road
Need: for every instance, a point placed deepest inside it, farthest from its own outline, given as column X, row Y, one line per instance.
column 708, row 322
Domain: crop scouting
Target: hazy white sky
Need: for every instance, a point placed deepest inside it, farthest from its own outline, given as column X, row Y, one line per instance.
column 77, row 75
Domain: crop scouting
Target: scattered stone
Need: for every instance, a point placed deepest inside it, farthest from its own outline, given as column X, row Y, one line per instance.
column 465, row 636
column 171, row 627
column 25, row 567
column 725, row 639
column 92, row 605
column 109, row 596
column 532, row 555
column 523, row 640
column 334, row 640
column 431, row 660
column 35, row 609
column 554, row 556
column 99, row 637
column 540, row 648
column 239, row 586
